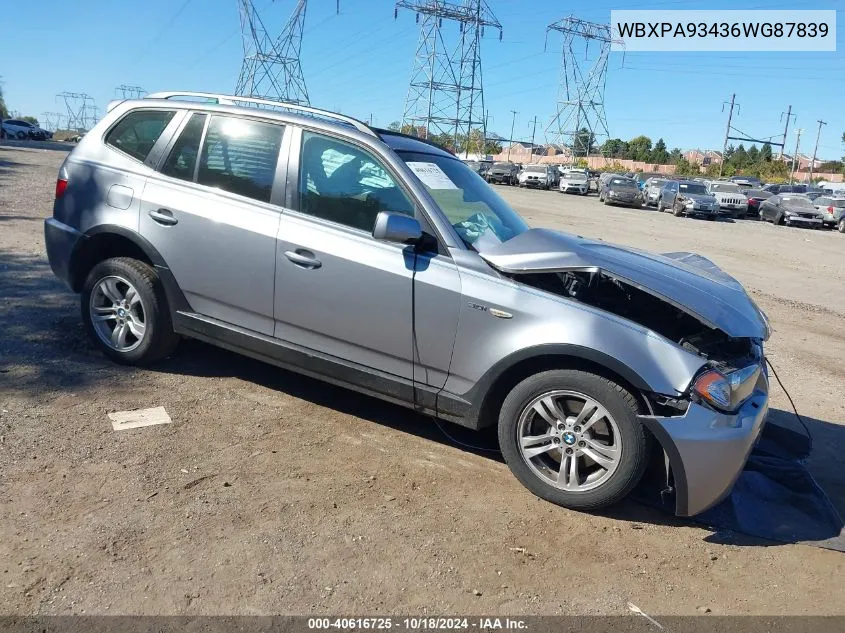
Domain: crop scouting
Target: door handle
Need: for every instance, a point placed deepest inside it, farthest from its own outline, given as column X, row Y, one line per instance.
column 163, row 216
column 303, row 259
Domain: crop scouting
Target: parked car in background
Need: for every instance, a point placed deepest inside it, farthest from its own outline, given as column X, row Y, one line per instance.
column 754, row 198
column 651, row 190
column 813, row 192
column 791, row 210
column 685, row 197
column 832, row 210
column 479, row 167
column 732, row 200
column 786, row 188
column 19, row 129
column 504, row 173
column 746, row 182
column 537, row 176
column 593, row 361
column 575, row 181
column 620, row 190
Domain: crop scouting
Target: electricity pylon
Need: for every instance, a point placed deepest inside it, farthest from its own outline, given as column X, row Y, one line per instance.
column 271, row 68
column 446, row 95
column 580, row 118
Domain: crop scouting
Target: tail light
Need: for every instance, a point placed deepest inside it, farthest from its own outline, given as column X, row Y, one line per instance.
column 61, row 185
column 830, row 210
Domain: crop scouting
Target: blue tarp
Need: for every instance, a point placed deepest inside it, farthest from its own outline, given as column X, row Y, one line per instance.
column 777, row 498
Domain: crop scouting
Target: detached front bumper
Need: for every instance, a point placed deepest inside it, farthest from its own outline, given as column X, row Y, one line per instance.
column 707, row 450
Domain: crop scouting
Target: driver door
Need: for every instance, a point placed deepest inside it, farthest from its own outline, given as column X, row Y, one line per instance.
column 338, row 290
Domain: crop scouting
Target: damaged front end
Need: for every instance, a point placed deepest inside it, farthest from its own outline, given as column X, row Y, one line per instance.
column 708, row 429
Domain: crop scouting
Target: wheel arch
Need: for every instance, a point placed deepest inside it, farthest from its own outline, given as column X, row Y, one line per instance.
column 494, row 386
column 106, row 241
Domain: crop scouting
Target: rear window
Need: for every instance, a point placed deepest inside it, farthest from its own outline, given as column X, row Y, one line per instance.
column 137, row 132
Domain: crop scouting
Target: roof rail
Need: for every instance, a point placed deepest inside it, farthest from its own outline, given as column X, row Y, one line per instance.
column 235, row 100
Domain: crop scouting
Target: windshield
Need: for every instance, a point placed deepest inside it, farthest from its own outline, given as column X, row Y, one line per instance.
column 502, row 165
column 479, row 215
column 574, row 175
column 623, row 182
column 656, row 182
column 536, row 168
column 725, row 187
column 693, row 188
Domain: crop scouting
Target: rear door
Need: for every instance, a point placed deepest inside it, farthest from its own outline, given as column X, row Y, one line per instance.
column 211, row 211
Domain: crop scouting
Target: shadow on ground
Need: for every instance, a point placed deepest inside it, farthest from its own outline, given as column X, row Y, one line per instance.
column 44, row 346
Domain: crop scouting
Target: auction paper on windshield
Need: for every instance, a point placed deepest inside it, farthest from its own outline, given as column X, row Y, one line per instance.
column 432, row 176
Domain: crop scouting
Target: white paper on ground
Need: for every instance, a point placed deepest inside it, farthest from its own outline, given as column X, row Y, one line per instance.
column 432, row 176
column 141, row 417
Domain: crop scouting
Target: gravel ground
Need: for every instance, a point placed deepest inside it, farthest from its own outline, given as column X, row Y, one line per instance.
column 272, row 493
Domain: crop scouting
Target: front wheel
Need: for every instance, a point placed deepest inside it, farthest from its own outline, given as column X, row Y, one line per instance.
column 841, row 226
column 677, row 211
column 124, row 310
column 573, row 438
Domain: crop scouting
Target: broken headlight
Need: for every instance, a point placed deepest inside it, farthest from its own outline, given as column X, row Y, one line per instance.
column 726, row 391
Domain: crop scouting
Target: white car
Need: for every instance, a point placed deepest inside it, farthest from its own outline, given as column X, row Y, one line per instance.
column 538, row 176
column 832, row 210
column 574, row 181
column 731, row 198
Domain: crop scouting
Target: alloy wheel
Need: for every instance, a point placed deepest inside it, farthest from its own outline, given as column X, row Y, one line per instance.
column 569, row 440
column 118, row 313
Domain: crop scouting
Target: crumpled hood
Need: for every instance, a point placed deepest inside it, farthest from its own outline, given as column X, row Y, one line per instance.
column 691, row 282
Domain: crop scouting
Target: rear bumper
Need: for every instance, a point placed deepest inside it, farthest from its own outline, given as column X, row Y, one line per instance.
column 707, row 450
column 61, row 240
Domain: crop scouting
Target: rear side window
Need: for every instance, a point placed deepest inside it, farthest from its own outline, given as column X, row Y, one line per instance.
column 138, row 131
column 183, row 157
column 240, row 156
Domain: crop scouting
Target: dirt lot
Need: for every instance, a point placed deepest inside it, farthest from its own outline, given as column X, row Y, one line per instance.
column 271, row 493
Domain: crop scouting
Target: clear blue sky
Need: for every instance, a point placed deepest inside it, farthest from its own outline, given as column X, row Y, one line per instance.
column 359, row 62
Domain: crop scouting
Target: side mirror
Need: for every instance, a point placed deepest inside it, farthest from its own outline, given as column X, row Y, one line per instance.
column 395, row 227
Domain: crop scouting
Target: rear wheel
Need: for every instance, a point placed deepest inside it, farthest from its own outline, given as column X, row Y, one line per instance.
column 573, row 438
column 841, row 226
column 125, row 312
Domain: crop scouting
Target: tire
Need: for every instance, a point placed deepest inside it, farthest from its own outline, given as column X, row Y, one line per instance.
column 21, row 136
column 618, row 428
column 660, row 205
column 841, row 226
column 676, row 211
column 779, row 221
column 114, row 278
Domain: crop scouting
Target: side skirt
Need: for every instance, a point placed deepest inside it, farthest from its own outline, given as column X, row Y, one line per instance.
column 331, row 369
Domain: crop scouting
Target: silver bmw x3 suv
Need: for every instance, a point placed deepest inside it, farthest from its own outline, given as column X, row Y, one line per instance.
column 382, row 263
